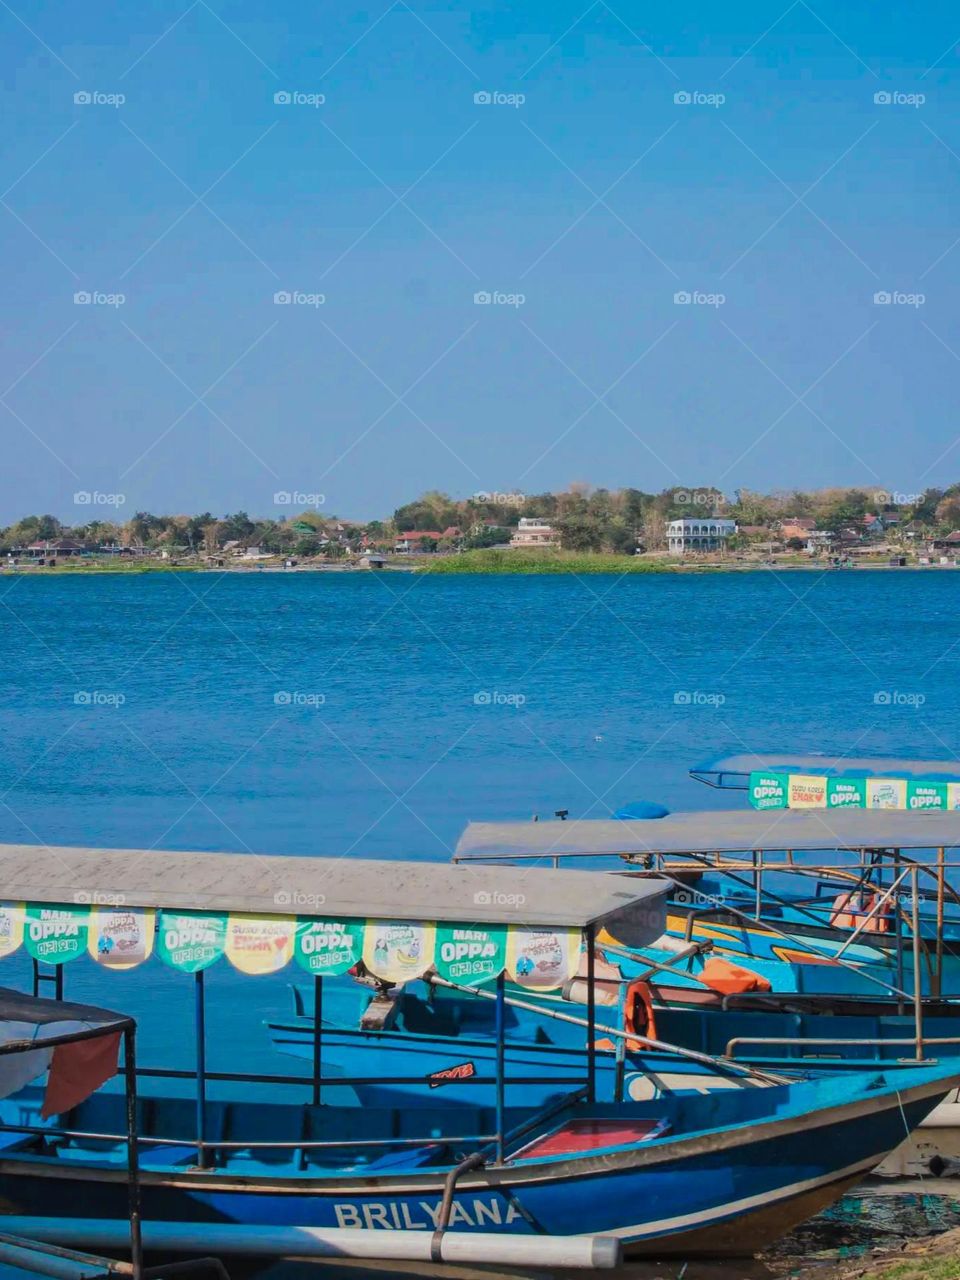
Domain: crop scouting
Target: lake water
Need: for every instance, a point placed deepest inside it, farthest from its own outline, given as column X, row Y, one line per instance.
column 374, row 714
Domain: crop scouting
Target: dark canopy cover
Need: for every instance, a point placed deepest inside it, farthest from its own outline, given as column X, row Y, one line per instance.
column 79, row 1043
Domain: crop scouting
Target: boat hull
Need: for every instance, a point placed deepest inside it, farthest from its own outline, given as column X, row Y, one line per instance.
column 726, row 1190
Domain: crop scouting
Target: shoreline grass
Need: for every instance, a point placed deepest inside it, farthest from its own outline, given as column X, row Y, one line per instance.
column 494, row 562
column 85, row 569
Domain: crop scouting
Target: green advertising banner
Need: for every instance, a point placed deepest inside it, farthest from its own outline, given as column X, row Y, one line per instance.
column 927, row 795
column 800, row 791
column 470, row 956
column 328, row 947
column 56, row 933
column 846, row 793
column 768, row 790
column 190, row 940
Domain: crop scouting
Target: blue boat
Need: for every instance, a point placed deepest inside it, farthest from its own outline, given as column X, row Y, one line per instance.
column 429, row 1037
column 404, row 1068
column 919, row 787
column 874, row 855
column 723, row 1171
column 720, row 1174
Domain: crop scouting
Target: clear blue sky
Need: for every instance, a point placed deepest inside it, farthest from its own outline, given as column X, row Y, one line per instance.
column 797, row 198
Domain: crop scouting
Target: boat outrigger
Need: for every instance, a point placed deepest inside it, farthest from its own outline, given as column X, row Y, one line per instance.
column 723, row 1171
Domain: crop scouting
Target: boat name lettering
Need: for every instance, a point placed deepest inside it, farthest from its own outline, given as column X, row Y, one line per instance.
column 423, row 1216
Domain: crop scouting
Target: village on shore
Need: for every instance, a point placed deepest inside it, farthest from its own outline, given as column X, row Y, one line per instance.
column 511, row 531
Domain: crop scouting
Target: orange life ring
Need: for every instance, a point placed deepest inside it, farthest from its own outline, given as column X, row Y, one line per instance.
column 638, row 1015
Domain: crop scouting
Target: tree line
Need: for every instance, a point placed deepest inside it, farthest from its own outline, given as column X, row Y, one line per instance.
column 586, row 519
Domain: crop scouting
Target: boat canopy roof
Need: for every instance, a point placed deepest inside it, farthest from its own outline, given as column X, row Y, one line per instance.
column 732, row 771
column 719, row 831
column 340, row 887
column 29, row 1022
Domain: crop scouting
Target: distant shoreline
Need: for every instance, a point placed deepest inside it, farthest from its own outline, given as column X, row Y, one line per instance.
column 484, row 563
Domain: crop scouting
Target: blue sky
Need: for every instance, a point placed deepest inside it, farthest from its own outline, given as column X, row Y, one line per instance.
column 782, row 197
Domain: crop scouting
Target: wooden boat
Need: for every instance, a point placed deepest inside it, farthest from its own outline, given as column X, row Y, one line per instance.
column 717, row 1174
column 755, row 850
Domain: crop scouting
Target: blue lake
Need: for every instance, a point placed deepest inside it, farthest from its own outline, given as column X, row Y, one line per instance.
column 374, row 714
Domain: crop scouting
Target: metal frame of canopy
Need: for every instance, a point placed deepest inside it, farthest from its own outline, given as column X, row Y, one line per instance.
column 730, row 772
column 393, row 891
column 706, row 841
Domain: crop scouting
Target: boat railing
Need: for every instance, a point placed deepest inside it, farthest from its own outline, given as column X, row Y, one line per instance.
column 240, row 1077
column 488, row 1143
column 917, row 1043
column 799, row 1001
column 296, row 1144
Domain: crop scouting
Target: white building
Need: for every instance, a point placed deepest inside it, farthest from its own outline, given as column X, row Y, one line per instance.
column 534, row 532
column 698, row 533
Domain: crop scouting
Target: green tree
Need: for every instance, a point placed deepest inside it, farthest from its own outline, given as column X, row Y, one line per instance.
column 195, row 527
column 237, row 527
column 622, row 538
column 434, row 510
column 578, row 532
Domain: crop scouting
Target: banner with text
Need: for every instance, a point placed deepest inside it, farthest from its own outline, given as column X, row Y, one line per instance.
column 773, row 790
